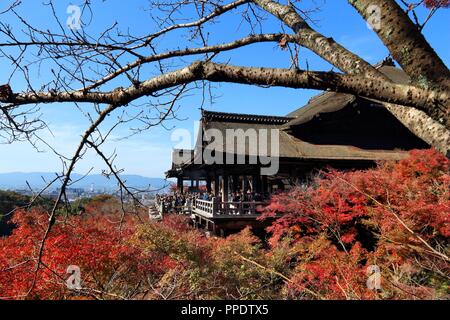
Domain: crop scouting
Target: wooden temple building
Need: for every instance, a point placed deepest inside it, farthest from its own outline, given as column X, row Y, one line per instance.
column 333, row 130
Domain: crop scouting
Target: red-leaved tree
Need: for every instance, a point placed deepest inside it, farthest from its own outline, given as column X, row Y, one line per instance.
column 395, row 217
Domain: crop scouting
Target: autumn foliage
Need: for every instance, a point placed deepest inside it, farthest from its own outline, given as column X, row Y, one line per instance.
column 394, row 217
column 95, row 245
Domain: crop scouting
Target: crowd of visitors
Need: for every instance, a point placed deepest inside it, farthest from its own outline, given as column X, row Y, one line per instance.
column 182, row 202
column 178, row 202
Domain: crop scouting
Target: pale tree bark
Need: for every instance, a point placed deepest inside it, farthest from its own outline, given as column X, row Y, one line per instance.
column 425, row 110
column 432, row 130
column 405, row 42
column 323, row 46
column 417, row 58
column 369, row 87
column 412, row 96
column 423, row 126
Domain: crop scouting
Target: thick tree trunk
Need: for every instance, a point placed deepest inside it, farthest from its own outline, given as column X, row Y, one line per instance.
column 325, row 47
column 410, row 49
column 418, row 122
column 422, row 126
column 405, row 42
column 361, row 86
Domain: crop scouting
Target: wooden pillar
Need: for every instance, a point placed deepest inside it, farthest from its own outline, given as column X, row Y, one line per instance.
column 224, row 188
column 264, row 184
column 256, row 183
column 208, row 184
column 197, row 183
column 235, row 183
column 192, row 183
column 216, row 186
column 214, row 205
column 180, row 185
column 244, row 184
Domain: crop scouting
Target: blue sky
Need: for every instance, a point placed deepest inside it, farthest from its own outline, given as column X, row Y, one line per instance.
column 149, row 154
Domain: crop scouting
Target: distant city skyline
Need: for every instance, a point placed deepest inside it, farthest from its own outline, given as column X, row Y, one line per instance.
column 38, row 180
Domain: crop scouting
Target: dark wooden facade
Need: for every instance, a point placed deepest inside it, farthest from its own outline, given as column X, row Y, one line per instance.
column 336, row 130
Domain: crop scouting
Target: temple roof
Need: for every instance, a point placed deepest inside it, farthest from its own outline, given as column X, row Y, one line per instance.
column 291, row 147
column 332, row 101
column 242, row 117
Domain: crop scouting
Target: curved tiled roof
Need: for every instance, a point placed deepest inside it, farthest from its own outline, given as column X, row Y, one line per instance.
column 332, row 101
column 242, row 117
column 292, row 147
column 289, row 145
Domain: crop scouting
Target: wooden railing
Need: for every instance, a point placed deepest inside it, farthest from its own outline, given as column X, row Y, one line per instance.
column 160, row 207
column 185, row 209
column 155, row 212
column 227, row 209
column 205, row 207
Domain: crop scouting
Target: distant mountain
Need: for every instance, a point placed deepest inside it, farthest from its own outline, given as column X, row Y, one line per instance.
column 37, row 180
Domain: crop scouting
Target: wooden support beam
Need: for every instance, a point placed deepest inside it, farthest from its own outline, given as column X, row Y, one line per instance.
column 224, row 188
column 264, row 185
column 244, row 184
column 235, row 183
column 216, row 186
column 256, row 183
column 180, row 185
column 208, row 184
